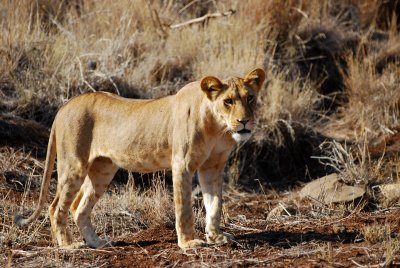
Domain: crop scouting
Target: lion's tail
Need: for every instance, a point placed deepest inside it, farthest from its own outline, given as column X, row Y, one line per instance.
column 48, row 169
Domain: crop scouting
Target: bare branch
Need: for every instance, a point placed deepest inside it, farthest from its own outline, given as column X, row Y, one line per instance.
column 203, row 18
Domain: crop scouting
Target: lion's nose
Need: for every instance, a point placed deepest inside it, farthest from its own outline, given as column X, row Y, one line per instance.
column 243, row 121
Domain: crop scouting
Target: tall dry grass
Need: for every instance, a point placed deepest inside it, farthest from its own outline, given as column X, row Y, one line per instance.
column 372, row 109
column 132, row 209
column 127, row 47
column 134, row 51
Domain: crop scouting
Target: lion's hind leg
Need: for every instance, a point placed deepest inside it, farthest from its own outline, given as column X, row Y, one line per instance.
column 101, row 172
column 70, row 180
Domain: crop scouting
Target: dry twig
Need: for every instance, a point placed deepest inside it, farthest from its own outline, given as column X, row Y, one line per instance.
column 203, row 18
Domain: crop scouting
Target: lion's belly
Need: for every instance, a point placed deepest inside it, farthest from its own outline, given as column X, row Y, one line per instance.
column 144, row 162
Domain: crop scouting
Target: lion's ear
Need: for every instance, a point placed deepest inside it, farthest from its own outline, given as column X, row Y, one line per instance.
column 211, row 86
column 256, row 77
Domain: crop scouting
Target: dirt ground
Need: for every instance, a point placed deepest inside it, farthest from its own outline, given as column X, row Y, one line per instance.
column 311, row 236
column 306, row 233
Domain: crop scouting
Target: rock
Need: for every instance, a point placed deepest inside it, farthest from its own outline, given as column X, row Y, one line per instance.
column 390, row 192
column 281, row 210
column 330, row 189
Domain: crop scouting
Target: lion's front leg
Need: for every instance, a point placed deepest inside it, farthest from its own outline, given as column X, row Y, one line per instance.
column 211, row 182
column 182, row 183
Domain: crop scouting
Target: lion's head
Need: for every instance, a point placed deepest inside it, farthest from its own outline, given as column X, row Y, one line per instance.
column 234, row 101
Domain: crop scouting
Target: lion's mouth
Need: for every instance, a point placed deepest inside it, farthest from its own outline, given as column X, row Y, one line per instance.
column 241, row 135
column 244, row 131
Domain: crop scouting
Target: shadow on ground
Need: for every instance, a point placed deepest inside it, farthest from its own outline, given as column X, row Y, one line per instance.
column 284, row 239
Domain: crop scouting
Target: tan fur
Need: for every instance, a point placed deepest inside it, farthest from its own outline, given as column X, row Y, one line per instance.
column 96, row 133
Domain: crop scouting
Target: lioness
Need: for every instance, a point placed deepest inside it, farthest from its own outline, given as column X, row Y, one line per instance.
column 96, row 133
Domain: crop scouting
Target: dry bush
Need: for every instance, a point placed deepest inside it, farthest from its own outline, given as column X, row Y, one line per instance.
column 286, row 104
column 314, row 44
column 326, row 44
column 392, row 249
column 384, row 15
column 376, row 233
column 352, row 162
column 18, row 170
column 372, row 108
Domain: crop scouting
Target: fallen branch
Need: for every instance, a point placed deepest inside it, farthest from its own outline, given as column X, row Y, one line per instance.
column 67, row 250
column 233, row 226
column 17, row 253
column 203, row 18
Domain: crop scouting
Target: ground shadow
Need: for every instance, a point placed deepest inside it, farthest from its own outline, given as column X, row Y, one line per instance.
column 281, row 239
column 143, row 243
column 285, row 239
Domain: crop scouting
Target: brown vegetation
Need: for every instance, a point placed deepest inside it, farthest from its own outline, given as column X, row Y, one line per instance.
column 331, row 104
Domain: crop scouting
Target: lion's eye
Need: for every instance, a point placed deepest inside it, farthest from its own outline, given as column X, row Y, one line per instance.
column 228, row 102
column 250, row 99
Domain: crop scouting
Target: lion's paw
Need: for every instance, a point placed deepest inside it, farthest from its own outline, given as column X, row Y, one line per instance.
column 219, row 238
column 192, row 243
column 76, row 245
column 100, row 243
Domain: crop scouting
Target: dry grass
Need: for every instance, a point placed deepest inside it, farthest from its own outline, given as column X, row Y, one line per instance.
column 115, row 215
column 376, row 233
column 131, row 209
column 384, row 235
column 369, row 92
column 128, row 48
column 352, row 162
column 20, row 171
column 134, row 55
column 285, row 103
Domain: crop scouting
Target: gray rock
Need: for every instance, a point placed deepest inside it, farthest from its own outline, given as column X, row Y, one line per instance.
column 330, row 189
